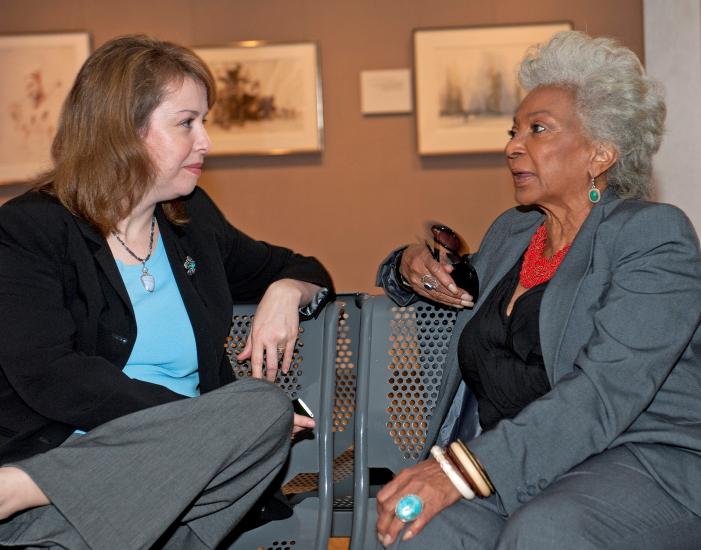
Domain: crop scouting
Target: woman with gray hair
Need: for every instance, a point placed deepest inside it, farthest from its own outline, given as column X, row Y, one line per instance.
column 569, row 414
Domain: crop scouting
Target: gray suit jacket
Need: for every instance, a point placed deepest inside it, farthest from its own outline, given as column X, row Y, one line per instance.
column 619, row 329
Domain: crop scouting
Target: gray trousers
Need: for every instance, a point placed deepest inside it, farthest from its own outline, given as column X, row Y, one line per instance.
column 607, row 502
column 192, row 468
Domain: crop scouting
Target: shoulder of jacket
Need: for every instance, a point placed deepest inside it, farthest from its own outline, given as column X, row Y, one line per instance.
column 37, row 222
column 34, row 209
column 634, row 212
column 33, row 199
column 634, row 223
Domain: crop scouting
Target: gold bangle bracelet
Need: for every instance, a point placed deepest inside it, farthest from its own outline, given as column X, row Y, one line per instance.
column 479, row 466
column 473, row 474
column 455, row 460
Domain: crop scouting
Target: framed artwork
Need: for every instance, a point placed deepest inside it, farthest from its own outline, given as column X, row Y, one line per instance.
column 38, row 72
column 268, row 98
column 465, row 84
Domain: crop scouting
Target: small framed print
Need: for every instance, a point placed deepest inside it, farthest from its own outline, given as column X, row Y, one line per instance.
column 385, row 92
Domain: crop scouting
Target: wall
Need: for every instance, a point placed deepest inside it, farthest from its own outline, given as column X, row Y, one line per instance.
column 673, row 53
column 368, row 191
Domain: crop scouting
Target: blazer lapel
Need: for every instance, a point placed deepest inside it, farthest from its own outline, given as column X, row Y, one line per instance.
column 177, row 249
column 103, row 257
column 559, row 297
column 493, row 265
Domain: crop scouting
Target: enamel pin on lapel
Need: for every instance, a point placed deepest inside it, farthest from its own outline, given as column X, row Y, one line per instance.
column 190, row 266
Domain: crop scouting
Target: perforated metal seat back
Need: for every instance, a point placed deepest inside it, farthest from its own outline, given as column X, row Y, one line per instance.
column 409, row 346
column 402, row 356
column 346, row 370
column 311, row 377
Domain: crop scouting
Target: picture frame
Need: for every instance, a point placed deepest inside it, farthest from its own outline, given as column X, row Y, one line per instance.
column 38, row 71
column 465, row 84
column 269, row 99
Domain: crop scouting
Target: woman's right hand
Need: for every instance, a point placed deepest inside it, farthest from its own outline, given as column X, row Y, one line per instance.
column 425, row 480
column 417, row 262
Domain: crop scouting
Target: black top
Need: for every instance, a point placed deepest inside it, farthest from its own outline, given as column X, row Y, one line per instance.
column 500, row 356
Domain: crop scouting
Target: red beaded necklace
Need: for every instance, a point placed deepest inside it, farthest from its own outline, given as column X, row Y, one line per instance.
column 536, row 268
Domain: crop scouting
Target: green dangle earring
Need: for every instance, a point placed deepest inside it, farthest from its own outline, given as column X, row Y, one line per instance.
column 594, row 193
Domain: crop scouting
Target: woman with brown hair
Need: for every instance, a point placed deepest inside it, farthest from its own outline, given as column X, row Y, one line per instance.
column 117, row 280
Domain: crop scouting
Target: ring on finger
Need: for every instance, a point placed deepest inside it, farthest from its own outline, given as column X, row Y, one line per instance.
column 430, row 283
column 408, row 508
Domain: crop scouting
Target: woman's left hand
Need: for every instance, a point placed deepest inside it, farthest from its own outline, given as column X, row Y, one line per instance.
column 275, row 329
column 301, row 423
column 425, row 480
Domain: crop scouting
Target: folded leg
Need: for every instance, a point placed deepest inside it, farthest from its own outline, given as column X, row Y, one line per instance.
column 198, row 463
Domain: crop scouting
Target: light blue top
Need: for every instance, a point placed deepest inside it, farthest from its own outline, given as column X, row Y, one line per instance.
column 165, row 351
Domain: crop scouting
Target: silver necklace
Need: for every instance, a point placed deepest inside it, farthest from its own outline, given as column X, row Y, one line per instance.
column 147, row 279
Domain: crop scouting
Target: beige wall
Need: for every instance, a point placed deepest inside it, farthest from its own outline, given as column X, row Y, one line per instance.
column 368, row 191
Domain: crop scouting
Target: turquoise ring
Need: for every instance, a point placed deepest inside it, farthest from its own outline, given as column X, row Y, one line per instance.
column 408, row 508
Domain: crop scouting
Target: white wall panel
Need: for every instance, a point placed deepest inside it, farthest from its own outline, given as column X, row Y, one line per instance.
column 673, row 56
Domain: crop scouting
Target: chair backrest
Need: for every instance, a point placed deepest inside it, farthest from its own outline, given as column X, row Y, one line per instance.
column 346, row 370
column 311, row 377
column 349, row 313
column 402, row 353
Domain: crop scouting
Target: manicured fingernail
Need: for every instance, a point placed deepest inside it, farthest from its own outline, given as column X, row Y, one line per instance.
column 387, row 540
column 465, row 303
column 466, row 297
column 453, row 288
column 407, row 535
column 380, row 539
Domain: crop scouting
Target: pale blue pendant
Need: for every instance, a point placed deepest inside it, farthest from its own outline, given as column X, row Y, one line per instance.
column 147, row 280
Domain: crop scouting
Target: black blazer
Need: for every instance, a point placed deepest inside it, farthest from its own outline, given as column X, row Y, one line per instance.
column 68, row 326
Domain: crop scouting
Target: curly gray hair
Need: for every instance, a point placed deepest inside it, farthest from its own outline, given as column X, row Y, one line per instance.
column 616, row 101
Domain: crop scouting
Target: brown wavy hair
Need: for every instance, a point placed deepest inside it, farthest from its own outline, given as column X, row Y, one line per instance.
column 101, row 166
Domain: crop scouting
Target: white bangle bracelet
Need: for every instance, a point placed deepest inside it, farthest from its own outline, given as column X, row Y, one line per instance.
column 455, row 478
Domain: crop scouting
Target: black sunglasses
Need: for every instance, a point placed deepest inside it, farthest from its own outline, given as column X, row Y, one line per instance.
column 454, row 248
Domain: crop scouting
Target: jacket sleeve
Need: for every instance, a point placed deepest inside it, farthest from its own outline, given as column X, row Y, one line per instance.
column 252, row 265
column 42, row 364
column 388, row 279
column 644, row 322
